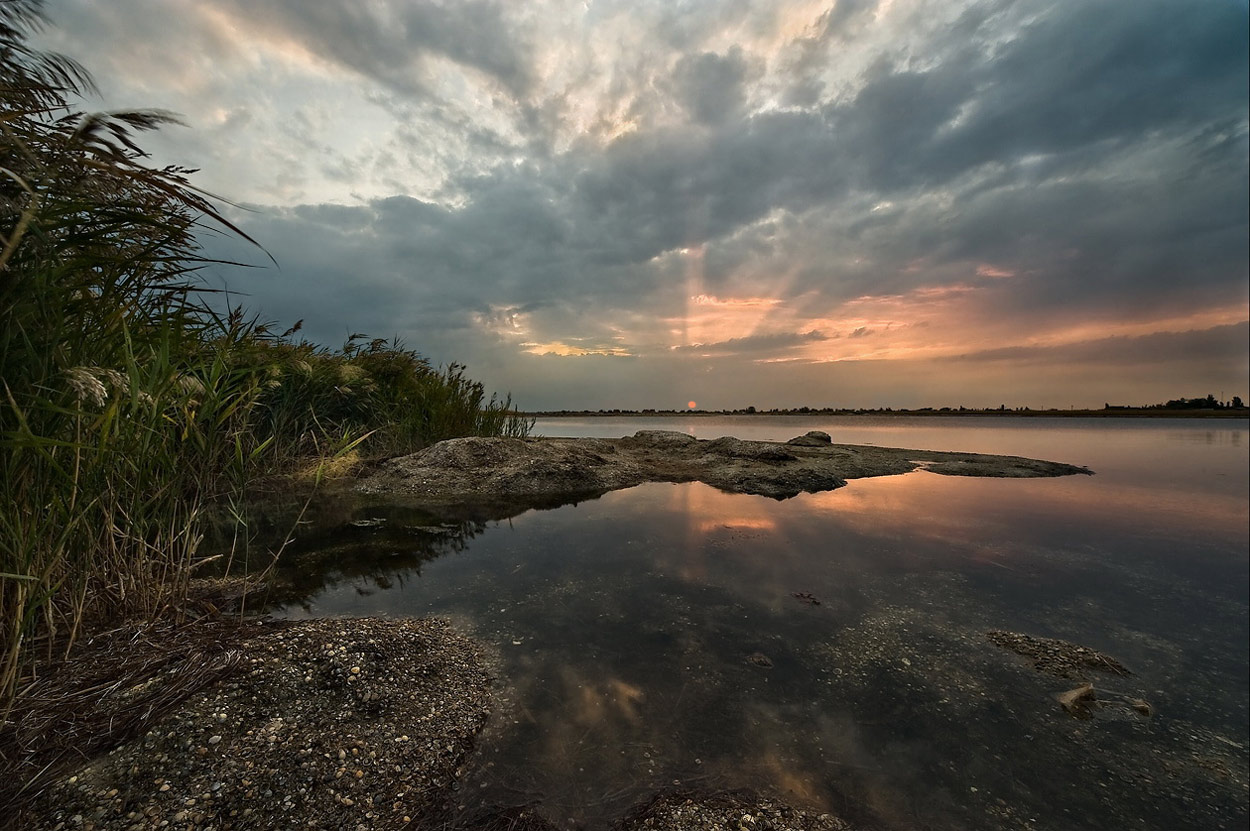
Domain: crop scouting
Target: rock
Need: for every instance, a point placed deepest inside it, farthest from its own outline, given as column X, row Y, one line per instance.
column 662, row 438
column 545, row 472
column 1083, row 702
column 1078, row 702
column 756, row 451
column 1056, row 657
column 812, row 438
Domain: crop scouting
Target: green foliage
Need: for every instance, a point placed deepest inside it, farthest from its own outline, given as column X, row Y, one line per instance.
column 127, row 404
column 376, row 387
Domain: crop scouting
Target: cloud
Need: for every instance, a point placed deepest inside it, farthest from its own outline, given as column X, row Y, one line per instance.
column 397, row 44
column 755, row 346
column 491, row 180
column 710, row 86
column 1216, row 345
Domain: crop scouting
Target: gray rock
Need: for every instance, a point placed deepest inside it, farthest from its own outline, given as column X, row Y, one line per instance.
column 532, row 472
column 812, row 438
column 756, row 451
column 662, row 438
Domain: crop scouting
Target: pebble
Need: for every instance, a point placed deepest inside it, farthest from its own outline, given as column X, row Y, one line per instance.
column 287, row 739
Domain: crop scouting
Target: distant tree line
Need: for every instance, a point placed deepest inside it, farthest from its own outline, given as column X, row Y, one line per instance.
column 1208, row 403
column 1204, row 404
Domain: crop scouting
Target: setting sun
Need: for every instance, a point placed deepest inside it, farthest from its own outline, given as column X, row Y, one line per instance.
column 691, row 404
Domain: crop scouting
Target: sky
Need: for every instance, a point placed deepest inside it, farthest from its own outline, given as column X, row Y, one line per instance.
column 770, row 203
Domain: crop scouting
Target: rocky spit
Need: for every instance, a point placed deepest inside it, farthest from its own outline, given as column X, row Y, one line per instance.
column 539, row 470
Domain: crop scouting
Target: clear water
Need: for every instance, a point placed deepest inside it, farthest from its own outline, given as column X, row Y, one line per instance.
column 651, row 638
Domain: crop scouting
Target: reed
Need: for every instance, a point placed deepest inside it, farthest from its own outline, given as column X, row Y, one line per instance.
column 127, row 403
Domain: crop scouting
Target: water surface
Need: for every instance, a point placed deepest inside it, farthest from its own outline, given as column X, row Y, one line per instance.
column 652, row 637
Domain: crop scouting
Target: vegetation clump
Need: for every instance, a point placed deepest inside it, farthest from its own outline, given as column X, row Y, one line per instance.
column 129, row 401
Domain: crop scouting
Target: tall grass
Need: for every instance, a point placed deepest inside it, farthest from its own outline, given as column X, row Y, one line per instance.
column 374, row 387
column 127, row 404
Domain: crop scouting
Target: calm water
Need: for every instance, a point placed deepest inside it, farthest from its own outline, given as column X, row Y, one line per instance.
column 651, row 637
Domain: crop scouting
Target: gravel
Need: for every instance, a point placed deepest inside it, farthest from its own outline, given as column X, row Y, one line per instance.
column 726, row 812
column 1056, row 657
column 358, row 723
column 335, row 724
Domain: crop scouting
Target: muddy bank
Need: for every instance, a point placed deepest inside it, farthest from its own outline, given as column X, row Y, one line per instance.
column 539, row 470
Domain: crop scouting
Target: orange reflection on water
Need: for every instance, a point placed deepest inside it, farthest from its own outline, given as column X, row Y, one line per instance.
column 960, row 509
column 593, row 704
column 713, row 518
column 707, row 526
column 918, row 505
column 799, row 784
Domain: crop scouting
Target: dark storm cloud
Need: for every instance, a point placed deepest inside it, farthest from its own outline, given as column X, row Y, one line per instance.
column 1206, row 345
column 1041, row 117
column 666, row 189
column 1022, row 135
column 1096, row 76
column 1134, row 197
column 710, row 86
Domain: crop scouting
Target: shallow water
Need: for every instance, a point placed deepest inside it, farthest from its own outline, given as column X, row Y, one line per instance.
column 652, row 637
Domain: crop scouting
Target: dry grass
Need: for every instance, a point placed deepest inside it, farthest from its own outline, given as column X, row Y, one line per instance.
column 112, row 688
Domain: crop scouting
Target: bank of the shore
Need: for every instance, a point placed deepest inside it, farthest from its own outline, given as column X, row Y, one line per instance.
column 323, row 723
column 358, row 723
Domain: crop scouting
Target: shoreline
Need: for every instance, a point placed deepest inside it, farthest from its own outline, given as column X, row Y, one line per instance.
column 1133, row 413
column 370, row 722
column 336, row 723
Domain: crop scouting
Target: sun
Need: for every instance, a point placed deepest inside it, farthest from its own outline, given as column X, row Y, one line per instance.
column 691, row 404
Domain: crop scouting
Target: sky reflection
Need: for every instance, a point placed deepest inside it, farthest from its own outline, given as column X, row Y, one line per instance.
column 653, row 635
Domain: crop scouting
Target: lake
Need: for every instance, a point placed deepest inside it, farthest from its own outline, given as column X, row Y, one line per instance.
column 832, row 648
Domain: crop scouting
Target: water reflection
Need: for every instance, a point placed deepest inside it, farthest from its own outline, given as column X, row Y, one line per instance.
column 1231, row 438
column 654, row 636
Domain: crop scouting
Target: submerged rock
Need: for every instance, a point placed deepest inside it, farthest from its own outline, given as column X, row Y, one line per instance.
column 1056, row 657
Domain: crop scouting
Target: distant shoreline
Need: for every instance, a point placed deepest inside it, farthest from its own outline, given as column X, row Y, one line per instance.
column 1127, row 412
